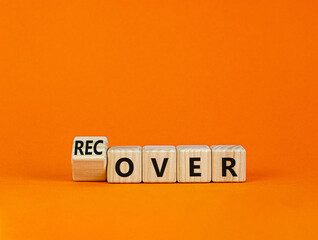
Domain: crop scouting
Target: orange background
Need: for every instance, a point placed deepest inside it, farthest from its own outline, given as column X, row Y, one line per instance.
column 159, row 72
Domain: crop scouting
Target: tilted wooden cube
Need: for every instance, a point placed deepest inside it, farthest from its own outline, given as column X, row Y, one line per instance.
column 228, row 163
column 193, row 163
column 89, row 158
column 159, row 164
column 124, row 164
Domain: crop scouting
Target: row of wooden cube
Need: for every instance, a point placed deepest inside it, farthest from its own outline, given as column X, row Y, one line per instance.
column 92, row 160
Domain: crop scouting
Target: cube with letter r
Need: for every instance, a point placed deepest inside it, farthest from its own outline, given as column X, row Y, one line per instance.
column 228, row 163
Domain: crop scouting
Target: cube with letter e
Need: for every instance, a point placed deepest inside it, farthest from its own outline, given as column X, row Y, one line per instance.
column 193, row 163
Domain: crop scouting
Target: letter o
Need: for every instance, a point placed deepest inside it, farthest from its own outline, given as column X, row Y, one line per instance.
column 130, row 170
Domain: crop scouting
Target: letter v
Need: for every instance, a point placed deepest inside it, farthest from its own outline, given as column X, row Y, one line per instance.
column 163, row 167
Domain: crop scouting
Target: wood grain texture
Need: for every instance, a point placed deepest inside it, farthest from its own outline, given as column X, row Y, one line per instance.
column 89, row 167
column 159, row 153
column 118, row 152
column 236, row 152
column 184, row 153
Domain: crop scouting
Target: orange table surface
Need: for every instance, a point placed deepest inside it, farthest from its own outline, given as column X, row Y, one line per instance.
column 159, row 72
column 268, row 206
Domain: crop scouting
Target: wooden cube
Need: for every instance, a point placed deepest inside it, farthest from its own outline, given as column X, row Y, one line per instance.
column 89, row 158
column 124, row 164
column 228, row 163
column 193, row 163
column 159, row 164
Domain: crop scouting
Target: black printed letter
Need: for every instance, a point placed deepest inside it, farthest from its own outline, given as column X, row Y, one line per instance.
column 192, row 167
column 131, row 167
column 163, row 167
column 78, row 146
column 88, row 142
column 95, row 147
column 230, row 168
